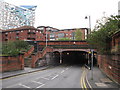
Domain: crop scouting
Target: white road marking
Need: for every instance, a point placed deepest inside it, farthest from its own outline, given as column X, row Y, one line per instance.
column 66, row 68
column 40, row 86
column 54, row 77
column 24, row 85
column 37, row 82
column 62, row 71
column 44, row 78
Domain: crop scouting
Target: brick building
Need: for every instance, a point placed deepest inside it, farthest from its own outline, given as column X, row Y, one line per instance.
column 23, row 33
column 29, row 33
column 55, row 34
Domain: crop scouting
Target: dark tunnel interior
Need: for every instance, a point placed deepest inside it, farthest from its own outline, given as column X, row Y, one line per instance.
column 71, row 57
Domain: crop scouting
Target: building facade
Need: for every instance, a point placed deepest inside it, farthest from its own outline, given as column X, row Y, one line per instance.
column 26, row 33
column 14, row 16
column 42, row 33
column 56, row 34
column 119, row 8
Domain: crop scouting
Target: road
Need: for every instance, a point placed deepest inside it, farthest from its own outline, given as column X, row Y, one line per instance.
column 59, row 77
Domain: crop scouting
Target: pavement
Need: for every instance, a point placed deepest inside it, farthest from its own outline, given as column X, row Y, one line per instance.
column 98, row 79
column 95, row 77
column 20, row 72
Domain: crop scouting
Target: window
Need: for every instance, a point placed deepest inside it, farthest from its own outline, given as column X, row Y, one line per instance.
column 73, row 35
column 52, row 35
column 61, row 35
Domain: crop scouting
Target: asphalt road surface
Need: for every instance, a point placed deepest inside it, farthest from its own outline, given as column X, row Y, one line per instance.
column 58, row 77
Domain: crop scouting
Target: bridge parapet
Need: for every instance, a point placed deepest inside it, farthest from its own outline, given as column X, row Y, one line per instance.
column 40, row 54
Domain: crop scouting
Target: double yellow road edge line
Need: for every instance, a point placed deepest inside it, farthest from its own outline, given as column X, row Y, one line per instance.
column 84, row 81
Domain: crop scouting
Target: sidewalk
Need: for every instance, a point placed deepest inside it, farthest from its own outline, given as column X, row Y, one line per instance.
column 20, row 72
column 100, row 80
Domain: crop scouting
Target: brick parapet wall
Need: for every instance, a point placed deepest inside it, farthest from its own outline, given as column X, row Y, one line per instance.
column 39, row 55
column 29, row 52
column 10, row 63
column 110, row 64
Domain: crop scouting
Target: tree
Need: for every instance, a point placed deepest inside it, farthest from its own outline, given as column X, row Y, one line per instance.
column 78, row 34
column 101, row 37
column 13, row 48
column 64, row 39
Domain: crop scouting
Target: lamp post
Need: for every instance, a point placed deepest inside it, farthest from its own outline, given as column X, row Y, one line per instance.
column 60, row 54
column 88, row 17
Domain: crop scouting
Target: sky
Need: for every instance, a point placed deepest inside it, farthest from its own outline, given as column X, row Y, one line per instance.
column 67, row 14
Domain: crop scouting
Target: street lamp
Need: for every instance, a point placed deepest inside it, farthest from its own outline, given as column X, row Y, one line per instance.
column 88, row 17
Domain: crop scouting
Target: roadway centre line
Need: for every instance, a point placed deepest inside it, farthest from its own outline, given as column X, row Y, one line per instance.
column 55, row 77
column 23, row 85
column 67, row 68
column 40, row 86
column 44, row 78
column 62, row 71
column 37, row 82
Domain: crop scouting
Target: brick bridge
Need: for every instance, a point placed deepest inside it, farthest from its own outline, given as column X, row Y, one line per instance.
column 47, row 50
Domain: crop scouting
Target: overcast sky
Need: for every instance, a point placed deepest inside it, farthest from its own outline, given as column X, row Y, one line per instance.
column 66, row 14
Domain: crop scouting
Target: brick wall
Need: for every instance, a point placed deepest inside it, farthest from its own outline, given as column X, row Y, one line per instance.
column 110, row 65
column 9, row 63
column 28, row 53
column 39, row 55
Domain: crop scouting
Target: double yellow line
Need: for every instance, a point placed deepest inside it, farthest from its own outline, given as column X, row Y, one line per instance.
column 84, row 81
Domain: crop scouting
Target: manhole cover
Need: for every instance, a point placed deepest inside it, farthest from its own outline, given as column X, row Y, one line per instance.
column 101, row 84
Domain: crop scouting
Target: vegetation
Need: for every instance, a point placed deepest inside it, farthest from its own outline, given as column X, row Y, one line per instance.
column 13, row 48
column 64, row 39
column 78, row 34
column 101, row 36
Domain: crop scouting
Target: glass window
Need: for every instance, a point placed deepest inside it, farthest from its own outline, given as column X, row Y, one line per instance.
column 61, row 35
column 52, row 35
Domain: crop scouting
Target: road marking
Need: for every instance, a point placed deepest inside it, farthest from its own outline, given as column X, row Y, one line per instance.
column 88, row 83
column 81, row 83
column 44, row 78
column 40, row 86
column 83, row 78
column 67, row 68
column 37, row 82
column 54, row 77
column 24, row 85
column 62, row 71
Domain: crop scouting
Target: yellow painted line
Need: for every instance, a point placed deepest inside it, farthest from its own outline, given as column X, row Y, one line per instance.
column 83, row 84
column 88, row 82
column 84, row 80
